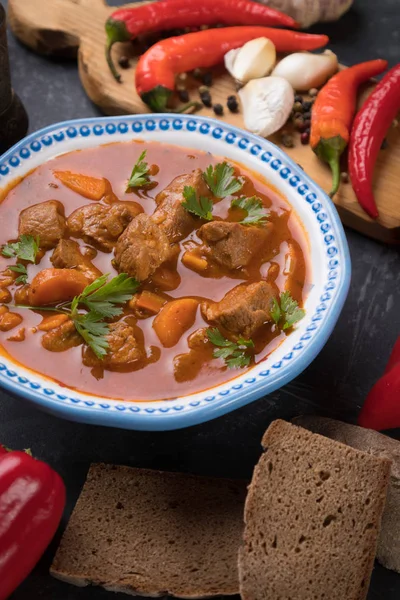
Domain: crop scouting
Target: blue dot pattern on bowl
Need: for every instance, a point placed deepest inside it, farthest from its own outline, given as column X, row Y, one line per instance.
column 232, row 136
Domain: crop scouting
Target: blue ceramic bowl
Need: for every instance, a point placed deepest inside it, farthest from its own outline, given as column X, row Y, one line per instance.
column 330, row 264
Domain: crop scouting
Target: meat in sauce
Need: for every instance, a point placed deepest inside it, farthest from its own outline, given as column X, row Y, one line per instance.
column 226, row 272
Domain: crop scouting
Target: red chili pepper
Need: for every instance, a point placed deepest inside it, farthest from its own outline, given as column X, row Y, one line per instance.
column 381, row 409
column 32, row 500
column 333, row 113
column 369, row 129
column 156, row 69
column 127, row 23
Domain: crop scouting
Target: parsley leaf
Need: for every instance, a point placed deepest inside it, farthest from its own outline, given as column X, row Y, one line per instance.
column 23, row 273
column 202, row 206
column 287, row 309
column 140, row 176
column 25, row 249
column 94, row 331
column 276, row 311
column 256, row 213
column 101, row 296
column 221, row 181
column 235, row 355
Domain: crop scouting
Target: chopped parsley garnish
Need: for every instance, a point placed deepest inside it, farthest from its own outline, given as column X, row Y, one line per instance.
column 94, row 331
column 26, row 249
column 221, row 181
column 140, row 176
column 100, row 299
column 202, row 206
column 257, row 214
column 235, row 354
column 286, row 310
column 101, row 296
column 22, row 271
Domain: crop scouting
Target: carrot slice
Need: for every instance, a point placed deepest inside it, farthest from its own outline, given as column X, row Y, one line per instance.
column 175, row 318
column 194, row 262
column 166, row 279
column 150, row 301
column 88, row 187
column 51, row 286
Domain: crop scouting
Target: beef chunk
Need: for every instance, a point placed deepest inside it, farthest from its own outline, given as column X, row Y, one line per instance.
column 175, row 220
column 101, row 225
column 142, row 248
column 61, row 338
column 233, row 245
column 45, row 220
column 67, row 255
column 123, row 347
column 244, row 309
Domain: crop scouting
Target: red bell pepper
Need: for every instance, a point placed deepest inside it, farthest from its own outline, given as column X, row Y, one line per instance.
column 32, row 500
column 381, row 409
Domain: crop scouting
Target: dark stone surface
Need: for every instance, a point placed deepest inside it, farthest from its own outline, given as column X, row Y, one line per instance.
column 334, row 385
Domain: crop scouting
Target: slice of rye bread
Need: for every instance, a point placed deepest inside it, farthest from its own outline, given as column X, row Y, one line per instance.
column 312, row 518
column 154, row 533
column 374, row 443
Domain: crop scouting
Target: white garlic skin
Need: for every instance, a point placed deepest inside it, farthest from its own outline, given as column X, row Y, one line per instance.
column 308, row 12
column 304, row 70
column 254, row 59
column 267, row 104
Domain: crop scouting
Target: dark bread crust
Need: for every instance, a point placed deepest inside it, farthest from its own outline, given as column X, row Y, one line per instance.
column 312, row 518
column 153, row 533
column 377, row 444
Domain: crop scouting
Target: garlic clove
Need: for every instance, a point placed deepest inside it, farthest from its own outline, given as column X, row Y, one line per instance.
column 304, row 70
column 255, row 59
column 267, row 104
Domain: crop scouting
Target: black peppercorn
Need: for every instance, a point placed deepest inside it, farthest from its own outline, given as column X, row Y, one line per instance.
column 306, row 105
column 307, row 115
column 205, row 97
column 232, row 104
column 207, row 78
column 218, row 109
column 298, row 98
column 183, row 95
column 124, row 62
column 287, row 140
column 197, row 74
column 305, row 137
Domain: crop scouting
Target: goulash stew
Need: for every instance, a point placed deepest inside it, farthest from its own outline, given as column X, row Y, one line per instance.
column 146, row 271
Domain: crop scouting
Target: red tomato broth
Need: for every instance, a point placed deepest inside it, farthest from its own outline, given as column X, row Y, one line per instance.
column 156, row 380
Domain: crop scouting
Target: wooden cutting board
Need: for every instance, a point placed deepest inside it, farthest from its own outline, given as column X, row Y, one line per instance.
column 76, row 27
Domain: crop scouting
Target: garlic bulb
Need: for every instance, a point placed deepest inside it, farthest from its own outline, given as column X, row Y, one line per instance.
column 305, row 71
column 253, row 60
column 267, row 104
column 308, row 12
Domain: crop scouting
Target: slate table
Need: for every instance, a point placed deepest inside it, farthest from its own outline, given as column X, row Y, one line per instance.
column 334, row 385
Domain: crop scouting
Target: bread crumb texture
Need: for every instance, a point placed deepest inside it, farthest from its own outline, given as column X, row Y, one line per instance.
column 377, row 444
column 154, row 533
column 312, row 518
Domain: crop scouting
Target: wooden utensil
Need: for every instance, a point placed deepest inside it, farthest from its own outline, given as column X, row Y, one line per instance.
column 70, row 27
